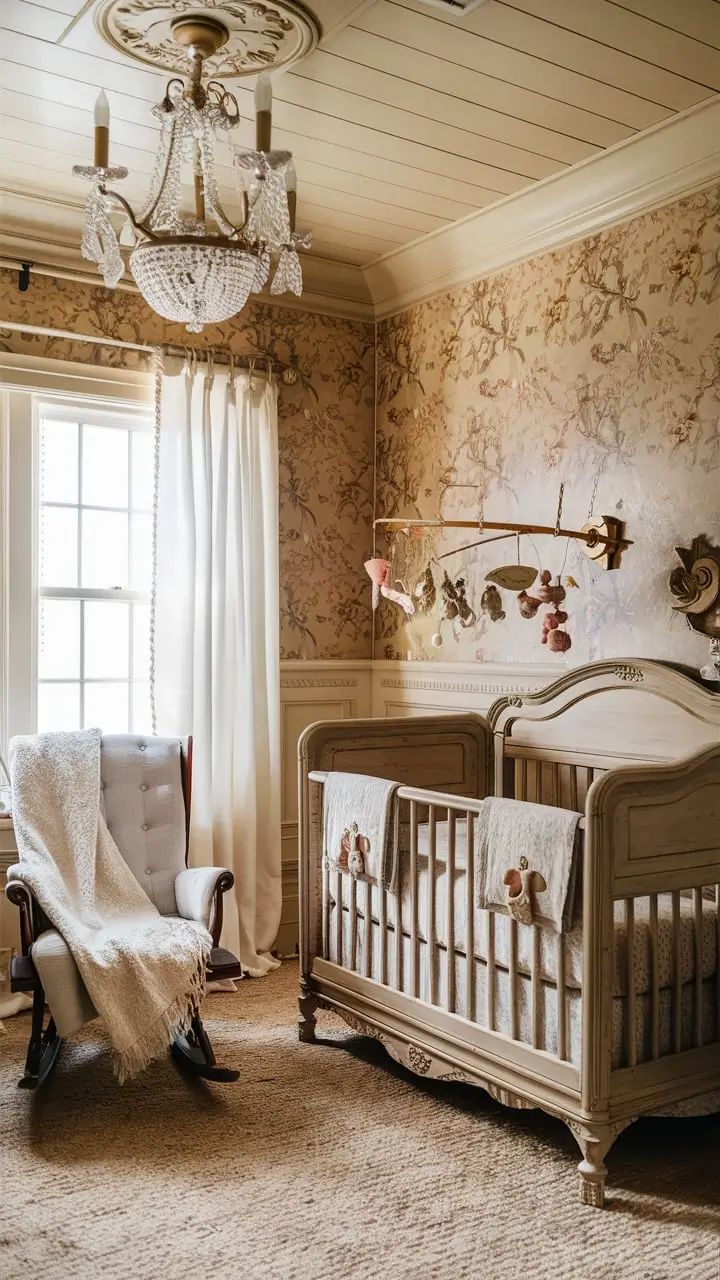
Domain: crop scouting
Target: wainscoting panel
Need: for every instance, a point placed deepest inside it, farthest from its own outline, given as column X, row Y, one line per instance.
column 421, row 688
column 310, row 691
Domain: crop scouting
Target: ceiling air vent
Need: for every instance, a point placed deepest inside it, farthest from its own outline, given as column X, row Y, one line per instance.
column 455, row 8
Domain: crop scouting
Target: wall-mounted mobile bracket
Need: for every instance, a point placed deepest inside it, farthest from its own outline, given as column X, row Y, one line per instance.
column 604, row 542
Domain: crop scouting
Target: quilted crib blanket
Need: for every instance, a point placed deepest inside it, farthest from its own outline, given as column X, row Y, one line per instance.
column 144, row 973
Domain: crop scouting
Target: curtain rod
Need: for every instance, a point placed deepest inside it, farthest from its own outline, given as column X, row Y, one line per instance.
column 168, row 349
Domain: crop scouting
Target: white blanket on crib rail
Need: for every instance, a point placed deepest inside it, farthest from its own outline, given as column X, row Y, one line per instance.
column 510, row 830
column 360, row 826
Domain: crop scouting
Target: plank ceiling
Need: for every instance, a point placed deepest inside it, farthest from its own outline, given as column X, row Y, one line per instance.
column 402, row 120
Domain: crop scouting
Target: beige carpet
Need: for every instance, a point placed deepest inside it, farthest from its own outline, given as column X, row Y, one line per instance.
column 324, row 1162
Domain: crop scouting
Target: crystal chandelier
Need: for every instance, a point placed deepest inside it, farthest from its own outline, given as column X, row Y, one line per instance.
column 197, row 267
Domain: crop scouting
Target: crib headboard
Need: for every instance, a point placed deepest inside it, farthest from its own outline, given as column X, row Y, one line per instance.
column 550, row 746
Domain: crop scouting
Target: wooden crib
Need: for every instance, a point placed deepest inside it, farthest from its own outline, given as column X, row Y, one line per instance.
column 620, row 1017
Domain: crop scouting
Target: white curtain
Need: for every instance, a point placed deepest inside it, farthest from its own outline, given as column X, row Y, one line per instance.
column 216, row 637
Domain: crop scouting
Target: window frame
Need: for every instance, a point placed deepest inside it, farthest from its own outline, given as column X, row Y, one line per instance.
column 20, row 590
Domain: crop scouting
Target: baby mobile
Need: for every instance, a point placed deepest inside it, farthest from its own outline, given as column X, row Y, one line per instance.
column 602, row 540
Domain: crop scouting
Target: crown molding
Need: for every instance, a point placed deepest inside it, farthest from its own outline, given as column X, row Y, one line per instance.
column 653, row 168
column 46, row 231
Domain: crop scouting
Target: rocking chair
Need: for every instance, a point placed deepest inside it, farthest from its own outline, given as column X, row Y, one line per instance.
column 146, row 801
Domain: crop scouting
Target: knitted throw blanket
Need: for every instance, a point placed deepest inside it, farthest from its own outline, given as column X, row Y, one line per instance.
column 145, row 974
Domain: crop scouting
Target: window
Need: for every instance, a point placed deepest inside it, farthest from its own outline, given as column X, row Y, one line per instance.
column 88, row 483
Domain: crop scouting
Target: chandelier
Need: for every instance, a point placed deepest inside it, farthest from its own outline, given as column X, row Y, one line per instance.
column 194, row 265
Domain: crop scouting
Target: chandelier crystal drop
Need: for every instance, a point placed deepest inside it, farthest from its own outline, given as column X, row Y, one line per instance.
column 194, row 265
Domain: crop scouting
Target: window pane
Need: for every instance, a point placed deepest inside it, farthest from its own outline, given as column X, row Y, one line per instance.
column 141, row 533
column 106, row 707
column 104, row 549
column 58, row 547
column 141, row 640
column 143, row 463
column 58, row 461
column 141, row 717
column 59, row 640
column 104, row 467
column 107, row 639
column 58, row 707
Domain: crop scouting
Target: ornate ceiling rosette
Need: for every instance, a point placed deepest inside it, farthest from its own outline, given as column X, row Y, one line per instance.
column 261, row 35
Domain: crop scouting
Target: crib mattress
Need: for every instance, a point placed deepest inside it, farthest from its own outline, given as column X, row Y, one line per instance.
column 548, row 996
column 642, row 970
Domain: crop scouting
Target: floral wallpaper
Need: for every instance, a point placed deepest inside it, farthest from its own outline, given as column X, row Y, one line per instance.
column 597, row 366
column 326, row 373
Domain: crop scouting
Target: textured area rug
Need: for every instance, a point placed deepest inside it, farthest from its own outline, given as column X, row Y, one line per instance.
column 326, row 1161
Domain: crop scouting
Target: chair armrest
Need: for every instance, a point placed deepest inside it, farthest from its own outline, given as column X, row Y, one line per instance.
column 21, row 897
column 198, row 894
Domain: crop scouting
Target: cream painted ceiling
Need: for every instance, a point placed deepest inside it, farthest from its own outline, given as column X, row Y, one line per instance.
column 402, row 120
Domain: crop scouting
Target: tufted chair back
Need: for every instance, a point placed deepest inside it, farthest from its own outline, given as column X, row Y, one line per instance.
column 143, row 796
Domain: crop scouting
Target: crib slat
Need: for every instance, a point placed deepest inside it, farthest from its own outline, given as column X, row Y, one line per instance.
column 397, row 894
column 491, row 970
column 677, row 974
column 535, row 985
column 353, row 923
column 574, row 788
column 326, row 907
column 532, row 781
column 520, row 778
column 339, row 950
column 414, row 941
column 450, row 915
column 654, row 978
column 368, row 947
column 697, row 993
column 513, row 973
column 630, row 1054
column 430, row 925
column 382, row 918
column 561, row 1004
column 470, row 917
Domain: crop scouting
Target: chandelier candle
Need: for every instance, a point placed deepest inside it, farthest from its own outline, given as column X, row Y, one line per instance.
column 263, row 112
column 102, row 131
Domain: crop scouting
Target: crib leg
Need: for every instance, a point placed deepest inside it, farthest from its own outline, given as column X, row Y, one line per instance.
column 307, row 1004
column 594, row 1142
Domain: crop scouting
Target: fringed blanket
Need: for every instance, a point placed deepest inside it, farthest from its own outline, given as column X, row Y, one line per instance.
column 145, row 974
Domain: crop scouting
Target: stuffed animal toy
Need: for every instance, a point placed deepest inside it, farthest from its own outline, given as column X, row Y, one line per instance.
column 552, row 593
column 491, row 604
column 378, row 571
column 521, row 884
column 353, row 848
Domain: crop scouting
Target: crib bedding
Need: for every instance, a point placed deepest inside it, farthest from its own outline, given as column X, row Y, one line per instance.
column 548, row 939
column 548, row 1026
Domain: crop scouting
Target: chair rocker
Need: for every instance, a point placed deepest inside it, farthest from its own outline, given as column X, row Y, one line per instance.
column 146, row 789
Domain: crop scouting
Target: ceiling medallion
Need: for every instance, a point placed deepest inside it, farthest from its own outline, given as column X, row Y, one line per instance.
column 190, row 260
column 259, row 35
